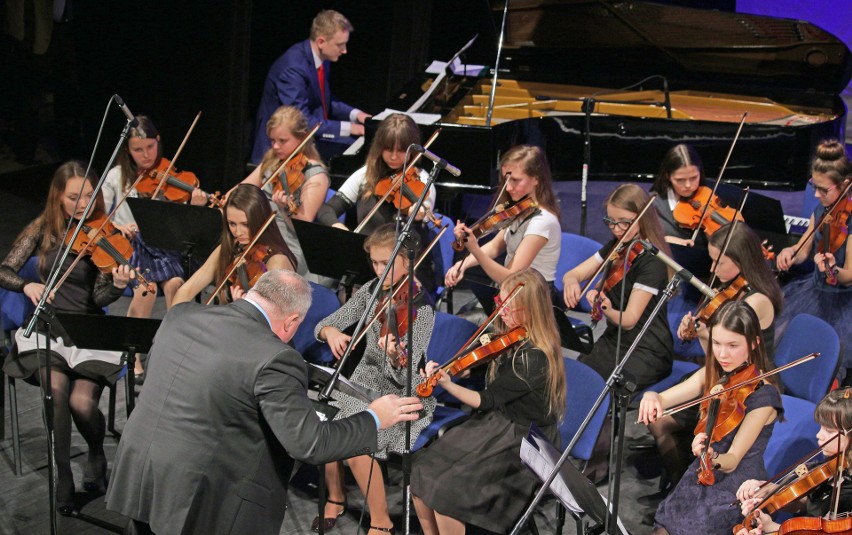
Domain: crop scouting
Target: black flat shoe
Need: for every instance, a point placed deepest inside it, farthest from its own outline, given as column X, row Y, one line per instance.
column 65, row 494
column 384, row 530
column 329, row 522
column 94, row 474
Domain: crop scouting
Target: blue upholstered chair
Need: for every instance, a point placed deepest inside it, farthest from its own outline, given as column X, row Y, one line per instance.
column 807, row 334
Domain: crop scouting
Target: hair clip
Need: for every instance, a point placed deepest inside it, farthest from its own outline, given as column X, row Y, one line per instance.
column 847, row 393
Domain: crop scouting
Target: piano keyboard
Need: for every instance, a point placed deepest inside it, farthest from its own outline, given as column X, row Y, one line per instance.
column 796, row 225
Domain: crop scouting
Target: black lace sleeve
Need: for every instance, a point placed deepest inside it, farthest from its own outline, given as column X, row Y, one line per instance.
column 330, row 211
column 105, row 291
column 23, row 248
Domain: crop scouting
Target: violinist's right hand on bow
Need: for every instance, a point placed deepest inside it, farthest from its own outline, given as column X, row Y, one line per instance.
column 454, row 275
column 571, row 291
column 785, row 259
column 337, row 341
column 680, row 241
column 650, row 408
column 751, row 488
column 34, row 290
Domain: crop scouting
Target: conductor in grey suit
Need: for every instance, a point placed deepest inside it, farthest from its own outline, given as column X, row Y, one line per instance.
column 224, row 414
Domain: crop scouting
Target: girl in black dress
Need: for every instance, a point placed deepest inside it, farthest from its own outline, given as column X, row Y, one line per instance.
column 78, row 375
column 473, row 474
column 834, row 415
column 643, row 286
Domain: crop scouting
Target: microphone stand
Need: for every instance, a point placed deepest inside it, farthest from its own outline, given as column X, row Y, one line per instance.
column 44, row 315
column 588, row 107
column 615, row 383
column 404, row 239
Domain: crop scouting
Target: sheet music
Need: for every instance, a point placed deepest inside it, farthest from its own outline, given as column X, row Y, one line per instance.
column 541, row 457
column 442, row 73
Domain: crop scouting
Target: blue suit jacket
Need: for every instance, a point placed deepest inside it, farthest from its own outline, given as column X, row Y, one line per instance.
column 292, row 80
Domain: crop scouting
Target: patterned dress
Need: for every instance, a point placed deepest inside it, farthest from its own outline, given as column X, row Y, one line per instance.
column 692, row 505
column 375, row 371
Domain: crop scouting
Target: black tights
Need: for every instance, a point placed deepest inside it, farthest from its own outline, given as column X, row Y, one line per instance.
column 673, row 442
column 74, row 398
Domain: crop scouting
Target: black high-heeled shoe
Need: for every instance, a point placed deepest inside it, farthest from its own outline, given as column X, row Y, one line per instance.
column 65, row 494
column 329, row 522
column 390, row 530
column 94, row 474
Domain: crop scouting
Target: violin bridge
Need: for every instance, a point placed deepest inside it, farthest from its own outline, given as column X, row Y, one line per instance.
column 485, row 339
column 801, row 470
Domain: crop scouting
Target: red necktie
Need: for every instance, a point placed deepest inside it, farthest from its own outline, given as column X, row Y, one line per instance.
column 321, row 76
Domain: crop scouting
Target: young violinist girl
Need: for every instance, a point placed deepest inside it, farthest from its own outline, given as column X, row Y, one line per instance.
column 742, row 262
column 642, row 286
column 385, row 158
column 245, row 212
column 78, row 375
column 287, row 128
column 703, row 499
column 534, row 238
column 473, row 474
column 834, row 416
column 382, row 369
column 143, row 152
column 681, row 174
column 826, row 294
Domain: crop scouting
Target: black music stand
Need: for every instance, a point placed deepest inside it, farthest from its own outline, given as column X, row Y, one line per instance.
column 193, row 230
column 335, row 253
column 112, row 333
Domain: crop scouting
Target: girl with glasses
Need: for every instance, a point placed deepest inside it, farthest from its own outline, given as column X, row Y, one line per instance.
column 827, row 292
column 641, row 286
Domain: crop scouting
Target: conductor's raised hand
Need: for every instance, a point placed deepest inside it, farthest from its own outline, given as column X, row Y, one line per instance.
column 392, row 409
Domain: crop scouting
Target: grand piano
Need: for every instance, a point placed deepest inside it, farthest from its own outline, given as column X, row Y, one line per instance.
column 557, row 54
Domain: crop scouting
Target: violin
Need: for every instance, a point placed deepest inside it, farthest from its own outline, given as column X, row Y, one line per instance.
column 834, row 232
column 817, row 526
column 615, row 275
column 293, row 180
column 735, row 290
column 393, row 317
column 107, row 247
column 687, row 212
column 481, row 355
column 176, row 187
column 249, row 267
column 500, row 217
column 724, row 413
column 403, row 190
column 807, row 481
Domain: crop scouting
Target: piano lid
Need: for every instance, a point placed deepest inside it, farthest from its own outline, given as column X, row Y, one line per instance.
column 616, row 43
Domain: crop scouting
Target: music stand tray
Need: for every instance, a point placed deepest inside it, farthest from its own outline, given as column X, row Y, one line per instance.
column 333, row 252
column 193, row 230
column 112, row 333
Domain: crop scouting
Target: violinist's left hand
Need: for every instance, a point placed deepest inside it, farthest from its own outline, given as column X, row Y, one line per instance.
column 237, row 293
column 199, row 198
column 282, row 200
column 591, row 295
column 431, row 369
column 122, row 275
column 821, row 259
column 421, row 214
column 464, row 234
column 389, row 346
column 698, row 445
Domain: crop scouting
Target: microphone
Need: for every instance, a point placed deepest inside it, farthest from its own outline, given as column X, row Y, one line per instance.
column 682, row 272
column 440, row 162
column 132, row 120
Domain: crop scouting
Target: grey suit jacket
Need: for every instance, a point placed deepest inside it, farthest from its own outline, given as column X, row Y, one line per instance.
column 210, row 446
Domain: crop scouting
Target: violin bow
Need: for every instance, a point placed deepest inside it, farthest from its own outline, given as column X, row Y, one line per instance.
column 760, row 377
column 97, row 231
column 719, row 178
column 828, row 213
column 296, row 151
column 400, row 284
column 171, row 166
column 396, row 182
column 241, row 257
column 618, row 244
column 728, row 235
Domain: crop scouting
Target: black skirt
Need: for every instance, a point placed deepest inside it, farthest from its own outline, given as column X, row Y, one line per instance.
column 474, row 473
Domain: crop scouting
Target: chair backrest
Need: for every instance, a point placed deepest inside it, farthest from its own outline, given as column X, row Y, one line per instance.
column 575, row 249
column 793, row 438
column 448, row 336
column 323, row 304
column 584, row 386
column 15, row 306
column 807, row 334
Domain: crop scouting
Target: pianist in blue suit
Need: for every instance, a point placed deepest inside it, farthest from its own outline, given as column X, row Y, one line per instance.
column 300, row 78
